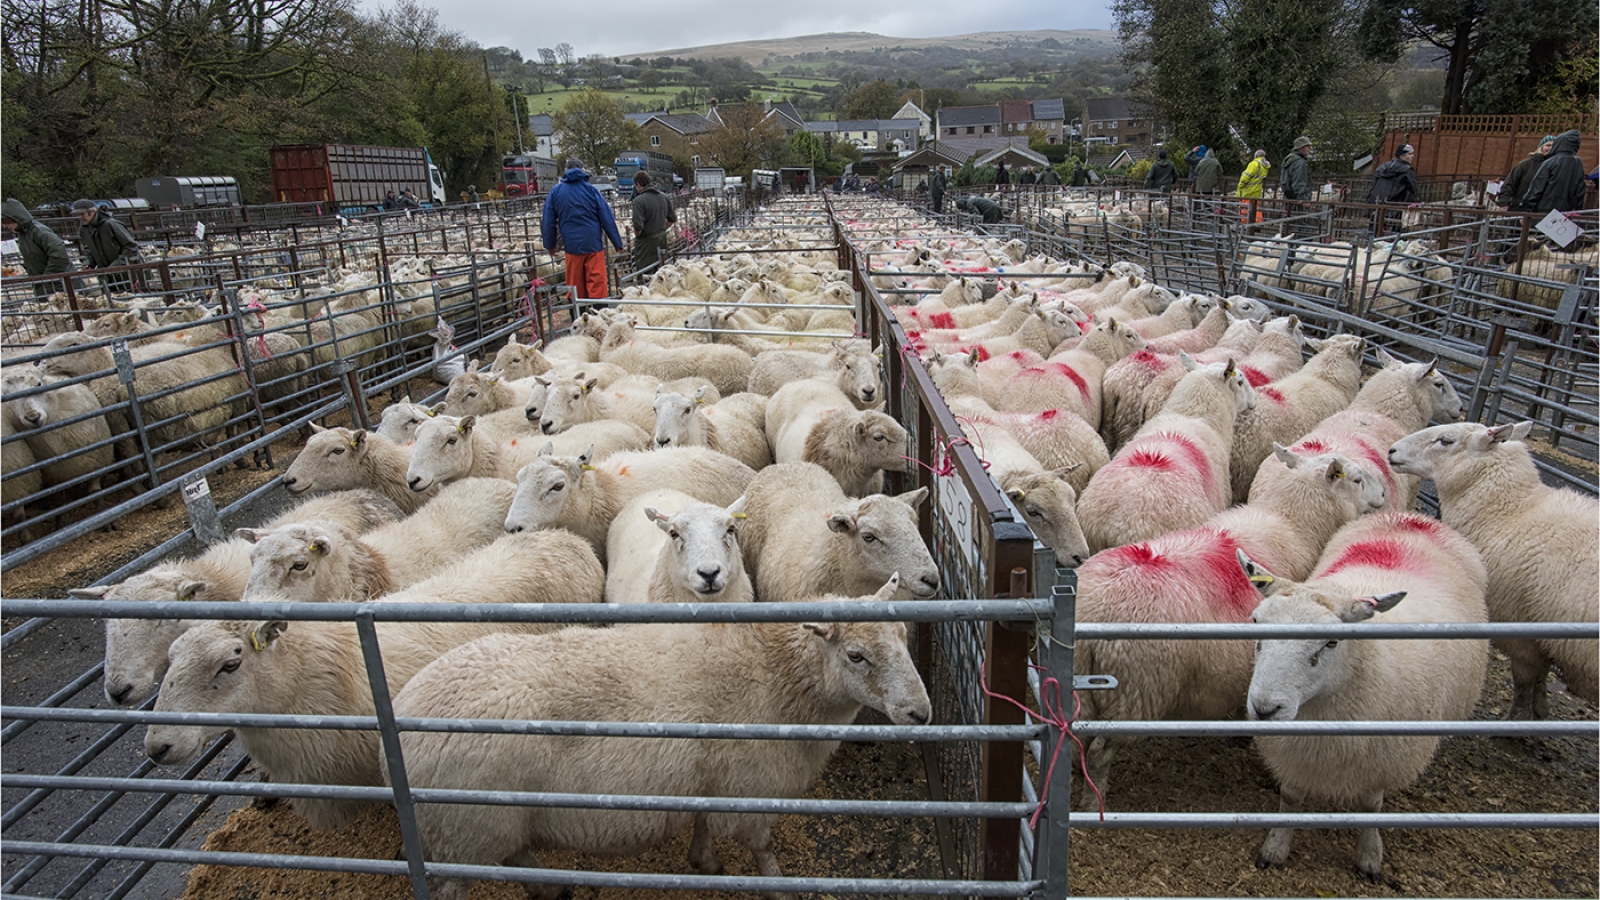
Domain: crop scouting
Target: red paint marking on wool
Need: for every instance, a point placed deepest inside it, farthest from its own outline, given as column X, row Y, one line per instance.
column 1272, row 394
column 622, row 472
column 1196, row 454
column 983, row 352
column 1255, row 376
column 1049, row 415
column 1149, row 459
column 1418, row 524
column 1219, row 566
column 1136, row 555
column 1151, row 361
column 942, row 320
column 1378, row 459
column 1021, row 356
column 1076, row 379
column 1375, row 554
column 1313, row 446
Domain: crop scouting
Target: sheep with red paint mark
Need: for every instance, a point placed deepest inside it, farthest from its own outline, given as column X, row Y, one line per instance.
column 1389, row 568
column 1191, row 576
column 1069, row 379
column 1292, row 406
column 1398, row 399
column 1540, row 544
column 1174, row 473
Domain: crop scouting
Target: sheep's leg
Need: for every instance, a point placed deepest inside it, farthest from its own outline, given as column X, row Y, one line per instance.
column 1529, row 697
column 702, row 855
column 1275, row 849
column 757, row 837
column 1102, row 751
column 527, row 859
column 1369, row 846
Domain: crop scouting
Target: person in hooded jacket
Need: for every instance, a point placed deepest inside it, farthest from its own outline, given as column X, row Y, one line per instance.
column 1208, row 174
column 1162, row 173
column 938, row 182
column 652, row 214
column 1559, row 182
column 1395, row 181
column 1521, row 176
column 1080, row 173
column 43, row 251
column 1192, row 159
column 1001, row 176
column 575, row 210
column 1049, row 176
column 105, row 242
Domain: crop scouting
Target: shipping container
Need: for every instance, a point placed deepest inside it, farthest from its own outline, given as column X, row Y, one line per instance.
column 184, row 191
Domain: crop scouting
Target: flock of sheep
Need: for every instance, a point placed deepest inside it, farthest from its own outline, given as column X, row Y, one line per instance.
column 719, row 436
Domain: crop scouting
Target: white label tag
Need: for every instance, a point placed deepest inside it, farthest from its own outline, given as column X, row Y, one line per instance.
column 9, row 247
column 342, row 221
column 1327, row 188
column 194, row 490
column 199, row 231
column 1559, row 228
column 1492, row 187
column 956, row 504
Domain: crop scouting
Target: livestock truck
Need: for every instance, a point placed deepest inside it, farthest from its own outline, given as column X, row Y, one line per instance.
column 523, row 176
column 352, row 178
column 659, row 165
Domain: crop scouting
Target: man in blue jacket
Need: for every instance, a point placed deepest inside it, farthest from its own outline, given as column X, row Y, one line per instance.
column 584, row 220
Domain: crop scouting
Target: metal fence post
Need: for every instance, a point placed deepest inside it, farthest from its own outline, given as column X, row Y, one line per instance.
column 1051, row 853
column 389, row 736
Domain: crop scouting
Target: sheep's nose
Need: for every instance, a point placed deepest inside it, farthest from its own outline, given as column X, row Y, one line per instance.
column 662, row 442
column 290, row 481
column 918, row 716
column 414, row 481
column 866, row 393
column 158, row 753
column 1076, row 559
column 547, row 426
column 531, row 415
column 513, row 529
column 932, row 581
column 709, row 575
column 120, row 694
column 1265, row 712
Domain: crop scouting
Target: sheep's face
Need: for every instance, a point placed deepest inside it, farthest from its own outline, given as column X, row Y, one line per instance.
column 29, row 412
column 1444, row 404
column 515, row 361
column 216, row 668
column 544, row 488
column 702, row 553
column 290, row 562
column 68, row 365
column 869, row 663
column 1357, row 489
column 533, row 410
column 330, row 461
column 1292, row 673
column 880, row 441
column 1049, row 505
column 1248, row 308
column 568, row 402
column 470, row 394
column 859, row 379
column 1429, row 452
column 677, row 424
column 883, row 534
column 442, row 454
column 136, row 649
column 400, row 421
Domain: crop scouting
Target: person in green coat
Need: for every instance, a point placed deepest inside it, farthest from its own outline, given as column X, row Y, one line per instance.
column 987, row 210
column 653, row 215
column 1208, row 174
column 105, row 243
column 937, row 182
column 1295, row 181
column 43, row 252
column 1049, row 176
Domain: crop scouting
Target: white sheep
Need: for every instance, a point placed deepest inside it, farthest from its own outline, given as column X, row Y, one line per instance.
column 853, row 365
column 1398, row 399
column 667, row 547
column 73, row 461
column 400, row 419
column 584, row 496
column 1191, row 576
column 515, row 361
column 802, row 537
column 316, row 668
column 466, row 514
column 813, row 421
column 726, row 367
column 18, row 485
column 812, row 673
column 136, row 649
column 692, row 422
column 1371, row 565
column 475, row 393
column 343, row 459
column 1174, row 473
column 577, row 399
column 315, row 561
column 448, row 448
column 1070, row 379
column 1287, row 409
column 1540, row 545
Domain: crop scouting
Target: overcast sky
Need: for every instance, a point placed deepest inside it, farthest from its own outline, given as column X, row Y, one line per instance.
column 627, row 30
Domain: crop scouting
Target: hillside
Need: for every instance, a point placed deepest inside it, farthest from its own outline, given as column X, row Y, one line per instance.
column 757, row 53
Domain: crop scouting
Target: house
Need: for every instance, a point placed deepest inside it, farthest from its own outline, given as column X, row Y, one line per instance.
column 1116, row 120
column 971, row 123
column 966, row 148
column 872, row 134
column 1051, row 115
column 912, row 111
column 787, row 117
column 541, row 128
column 676, row 134
column 1015, row 157
column 913, row 170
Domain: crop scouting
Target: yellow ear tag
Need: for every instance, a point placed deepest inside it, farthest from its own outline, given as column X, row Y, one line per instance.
column 458, row 428
column 1261, row 578
column 1021, row 495
column 739, row 515
column 586, row 467
column 1340, row 475
column 256, row 643
column 699, row 400
column 430, row 413
column 355, row 444
column 586, row 389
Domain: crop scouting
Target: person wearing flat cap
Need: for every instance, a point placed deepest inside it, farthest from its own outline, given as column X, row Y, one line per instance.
column 105, row 243
column 1296, row 178
column 1395, row 181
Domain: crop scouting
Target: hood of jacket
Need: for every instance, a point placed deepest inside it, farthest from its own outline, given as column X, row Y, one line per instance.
column 1392, row 167
column 1567, row 142
column 575, row 175
column 16, row 212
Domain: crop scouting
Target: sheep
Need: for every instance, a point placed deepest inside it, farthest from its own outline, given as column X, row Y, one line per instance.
column 316, row 668
column 314, row 561
column 1398, row 399
column 474, row 393
column 691, row 422
column 1539, row 545
column 1180, row 315
column 1190, row 576
column 1289, row 408
column 515, row 361
column 400, row 419
column 1174, row 473
column 667, row 547
column 17, row 456
column 853, row 365
column 811, row 673
column 1549, row 266
column 136, row 649
column 584, row 497
column 341, row 459
column 1201, row 337
column 726, row 367
column 579, row 399
column 448, row 448
column 959, row 292
column 813, row 421
column 1070, row 379
column 74, row 452
column 1371, row 565
column 802, row 537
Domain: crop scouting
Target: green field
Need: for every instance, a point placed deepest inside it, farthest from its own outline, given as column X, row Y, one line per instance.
column 550, row 101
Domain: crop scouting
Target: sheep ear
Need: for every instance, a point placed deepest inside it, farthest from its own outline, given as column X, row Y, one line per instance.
column 321, row 545
column 736, row 509
column 405, row 401
column 1359, row 609
column 1335, row 470
column 315, row 428
column 1387, row 360
column 249, row 534
column 700, row 393
column 358, row 439
column 435, row 409
column 549, row 449
column 1433, row 366
column 825, row 630
column 1231, row 370
column 586, row 456
column 841, row 523
column 538, row 343
column 472, row 367
column 265, row 633
column 1264, row 581
column 1188, row 361
column 663, row 521
column 914, row 498
column 189, row 590
column 590, row 384
column 542, row 380
column 1286, row 456
column 466, row 423
column 1065, row 471
column 889, row 589
column 90, row 593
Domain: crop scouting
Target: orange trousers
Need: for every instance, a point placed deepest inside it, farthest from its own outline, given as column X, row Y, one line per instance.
column 587, row 273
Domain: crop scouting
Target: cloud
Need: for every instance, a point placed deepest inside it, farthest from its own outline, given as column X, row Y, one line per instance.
column 691, row 23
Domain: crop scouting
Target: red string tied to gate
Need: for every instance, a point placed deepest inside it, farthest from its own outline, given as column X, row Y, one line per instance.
column 1052, row 712
column 256, row 307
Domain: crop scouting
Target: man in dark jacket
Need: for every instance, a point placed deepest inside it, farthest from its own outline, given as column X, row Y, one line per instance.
column 1080, row 173
column 987, row 210
column 105, row 242
column 1516, row 184
column 1026, row 177
column 1162, row 174
column 1049, row 176
column 1296, row 178
column 1559, row 182
column 1001, row 176
column 390, row 202
column 1192, row 159
column 652, row 213
column 43, row 251
column 1395, row 181
column 1208, row 174
column 937, row 183
column 575, row 209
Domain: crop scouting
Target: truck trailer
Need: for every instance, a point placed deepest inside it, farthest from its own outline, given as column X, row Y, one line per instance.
column 659, row 165
column 352, row 178
column 186, row 191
